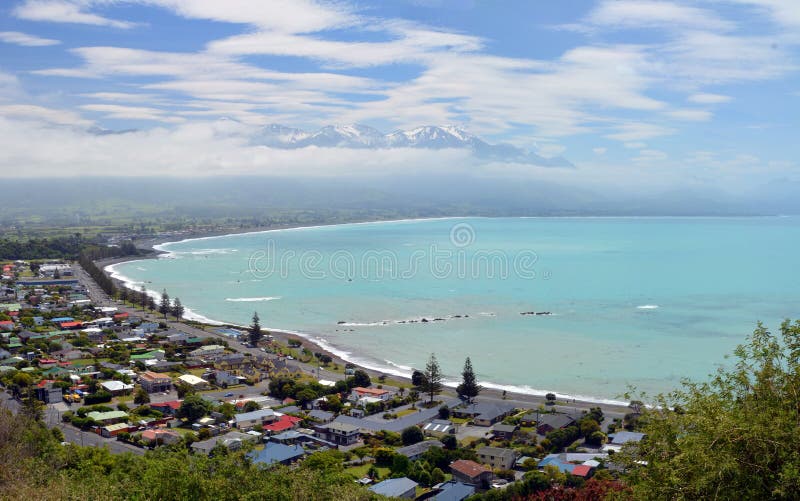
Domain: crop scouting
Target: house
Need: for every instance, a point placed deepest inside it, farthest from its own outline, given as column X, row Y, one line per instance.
column 167, row 408
column 230, row 361
column 415, row 451
column 178, row 338
column 339, row 433
column 113, row 430
column 484, row 413
column 321, row 416
column 453, row 491
column 47, row 393
column 148, row 327
column 155, row 382
column 158, row 436
column 225, row 378
column 109, row 417
column 275, row 453
column 232, row 440
column 149, row 355
column 583, row 471
column 504, row 431
column 209, row 350
column 439, row 428
column 193, row 381
column 550, row 422
column 6, row 325
column 117, row 387
column 497, row 457
column 378, row 393
column 250, row 420
column 470, row 472
column 402, row 487
column 623, row 437
column 283, row 423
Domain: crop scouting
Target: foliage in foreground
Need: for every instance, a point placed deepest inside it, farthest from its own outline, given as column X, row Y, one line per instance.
column 34, row 465
column 736, row 436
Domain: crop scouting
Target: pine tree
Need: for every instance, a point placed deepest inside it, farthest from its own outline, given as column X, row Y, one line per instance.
column 165, row 306
column 255, row 330
column 143, row 297
column 177, row 309
column 432, row 385
column 469, row 387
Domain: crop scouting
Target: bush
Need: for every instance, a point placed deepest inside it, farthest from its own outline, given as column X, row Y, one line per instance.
column 384, row 456
column 412, row 435
column 100, row 397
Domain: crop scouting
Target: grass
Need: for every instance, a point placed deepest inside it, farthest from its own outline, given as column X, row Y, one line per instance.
column 406, row 412
column 459, row 420
column 360, row 471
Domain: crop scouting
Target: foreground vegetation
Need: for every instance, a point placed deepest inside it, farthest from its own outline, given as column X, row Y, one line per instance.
column 34, row 465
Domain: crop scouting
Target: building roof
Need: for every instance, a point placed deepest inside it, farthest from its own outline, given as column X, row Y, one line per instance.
column 370, row 391
column 116, row 386
column 192, row 380
column 438, row 426
column 394, row 487
column 282, row 424
column 555, row 421
column 321, row 415
column 497, row 452
column 104, row 416
column 582, row 470
column 172, row 404
column 153, row 376
column 623, row 437
column 254, row 415
column 468, row 468
column 454, row 491
column 116, row 427
column 343, row 427
column 505, row 428
column 276, row 453
column 419, row 448
column 156, row 433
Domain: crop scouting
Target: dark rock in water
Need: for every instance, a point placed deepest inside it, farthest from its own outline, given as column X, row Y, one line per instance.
column 544, row 313
column 424, row 320
column 466, row 316
column 528, row 313
column 340, row 322
column 438, row 320
column 456, row 316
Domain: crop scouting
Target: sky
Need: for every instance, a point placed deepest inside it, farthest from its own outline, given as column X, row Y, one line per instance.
column 632, row 92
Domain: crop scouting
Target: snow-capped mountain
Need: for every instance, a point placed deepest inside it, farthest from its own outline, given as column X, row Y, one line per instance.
column 430, row 137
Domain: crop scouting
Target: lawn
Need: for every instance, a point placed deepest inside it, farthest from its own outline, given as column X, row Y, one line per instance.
column 361, row 471
column 406, row 412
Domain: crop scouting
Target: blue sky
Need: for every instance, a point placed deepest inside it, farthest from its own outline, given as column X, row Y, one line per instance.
column 630, row 91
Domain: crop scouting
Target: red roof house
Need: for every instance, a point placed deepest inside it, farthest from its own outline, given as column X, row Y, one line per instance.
column 285, row 422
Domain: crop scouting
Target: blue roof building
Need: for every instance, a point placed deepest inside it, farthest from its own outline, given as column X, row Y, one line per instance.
column 402, row 487
column 277, row 453
column 454, row 491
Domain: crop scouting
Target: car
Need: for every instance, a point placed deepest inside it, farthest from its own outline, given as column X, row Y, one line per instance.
column 229, row 394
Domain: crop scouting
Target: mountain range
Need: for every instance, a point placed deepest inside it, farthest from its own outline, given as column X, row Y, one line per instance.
column 426, row 137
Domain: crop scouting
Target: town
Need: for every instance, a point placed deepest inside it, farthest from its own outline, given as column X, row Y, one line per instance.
column 127, row 373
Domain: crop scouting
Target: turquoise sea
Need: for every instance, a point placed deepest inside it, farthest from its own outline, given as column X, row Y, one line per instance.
column 632, row 301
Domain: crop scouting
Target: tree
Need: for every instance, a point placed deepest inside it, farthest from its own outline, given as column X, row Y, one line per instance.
column 551, row 398
column 178, row 309
column 151, row 304
column 143, row 297
column 361, row 379
column 412, row 435
column 141, row 397
column 255, row 330
column 432, row 385
column 444, row 412
column 164, row 307
column 417, row 378
column 251, row 406
column 469, row 387
column 193, row 408
column 732, row 437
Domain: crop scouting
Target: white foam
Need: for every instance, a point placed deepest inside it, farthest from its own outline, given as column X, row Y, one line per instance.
column 647, row 307
column 251, row 299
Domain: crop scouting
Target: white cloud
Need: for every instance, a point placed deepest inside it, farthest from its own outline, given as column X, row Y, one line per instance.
column 120, row 112
column 26, row 40
column 599, row 151
column 641, row 14
column 41, row 114
column 690, row 115
column 634, row 131
column 707, row 98
column 63, row 11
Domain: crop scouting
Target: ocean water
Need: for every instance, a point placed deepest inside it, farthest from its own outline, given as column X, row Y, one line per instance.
column 639, row 302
